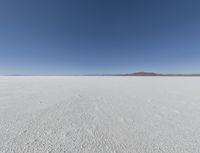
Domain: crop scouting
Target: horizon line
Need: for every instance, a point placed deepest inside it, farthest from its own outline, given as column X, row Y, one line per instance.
column 140, row 73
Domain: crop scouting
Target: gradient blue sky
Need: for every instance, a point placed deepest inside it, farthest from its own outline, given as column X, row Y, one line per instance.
column 44, row 37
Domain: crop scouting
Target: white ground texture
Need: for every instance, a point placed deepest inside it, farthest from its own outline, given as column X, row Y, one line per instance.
column 99, row 114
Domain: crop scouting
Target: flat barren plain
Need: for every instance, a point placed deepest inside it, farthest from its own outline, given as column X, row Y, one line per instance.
column 85, row 114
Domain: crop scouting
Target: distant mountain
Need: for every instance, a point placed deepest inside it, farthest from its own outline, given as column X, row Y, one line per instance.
column 144, row 74
column 157, row 74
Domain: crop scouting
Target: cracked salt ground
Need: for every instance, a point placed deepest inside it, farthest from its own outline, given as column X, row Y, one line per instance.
column 99, row 114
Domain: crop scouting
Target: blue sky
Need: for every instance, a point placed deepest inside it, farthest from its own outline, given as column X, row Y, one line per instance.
column 52, row 37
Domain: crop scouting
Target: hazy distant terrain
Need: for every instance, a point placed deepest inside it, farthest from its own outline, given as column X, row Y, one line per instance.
column 124, row 74
column 99, row 114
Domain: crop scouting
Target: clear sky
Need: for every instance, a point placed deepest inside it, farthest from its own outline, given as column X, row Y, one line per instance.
column 99, row 36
